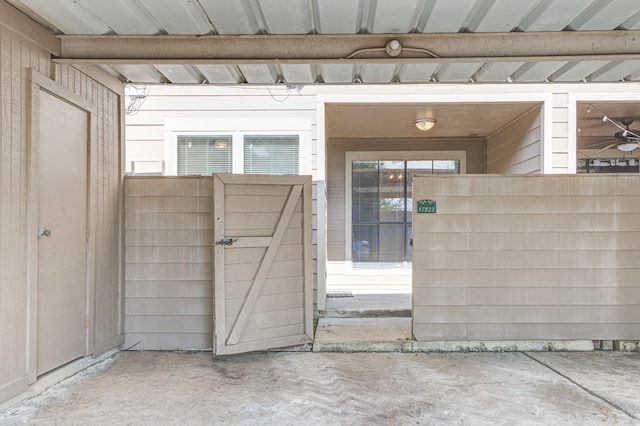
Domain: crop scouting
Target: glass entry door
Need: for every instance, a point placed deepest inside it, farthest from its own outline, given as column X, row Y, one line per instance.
column 381, row 211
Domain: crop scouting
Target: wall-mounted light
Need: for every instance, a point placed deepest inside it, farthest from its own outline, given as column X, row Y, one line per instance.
column 425, row 124
column 221, row 143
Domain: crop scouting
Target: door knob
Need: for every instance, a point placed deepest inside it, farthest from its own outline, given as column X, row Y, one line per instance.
column 43, row 232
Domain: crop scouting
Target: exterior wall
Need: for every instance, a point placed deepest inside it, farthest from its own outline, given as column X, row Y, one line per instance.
column 336, row 195
column 168, row 263
column 527, row 258
column 145, row 129
column 18, row 55
column 516, row 148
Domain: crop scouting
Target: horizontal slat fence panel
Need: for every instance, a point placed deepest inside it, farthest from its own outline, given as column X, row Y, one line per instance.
column 527, row 258
column 168, row 263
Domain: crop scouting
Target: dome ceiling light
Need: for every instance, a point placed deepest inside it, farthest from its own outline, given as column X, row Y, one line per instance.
column 425, row 124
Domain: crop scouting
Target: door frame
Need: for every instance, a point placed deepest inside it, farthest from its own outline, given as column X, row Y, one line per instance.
column 39, row 83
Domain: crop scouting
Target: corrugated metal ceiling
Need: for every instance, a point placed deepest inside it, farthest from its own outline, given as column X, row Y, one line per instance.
column 241, row 17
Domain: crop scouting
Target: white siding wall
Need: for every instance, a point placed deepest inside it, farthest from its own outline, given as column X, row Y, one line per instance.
column 516, row 148
column 17, row 56
column 560, row 131
column 527, row 258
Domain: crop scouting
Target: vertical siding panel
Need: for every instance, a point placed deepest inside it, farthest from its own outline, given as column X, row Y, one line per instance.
column 11, row 312
column 18, row 185
column 17, row 56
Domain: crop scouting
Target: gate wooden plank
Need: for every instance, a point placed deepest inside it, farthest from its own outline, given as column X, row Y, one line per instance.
column 219, row 260
column 254, row 293
column 308, row 259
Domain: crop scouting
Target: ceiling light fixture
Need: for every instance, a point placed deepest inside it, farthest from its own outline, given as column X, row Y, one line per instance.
column 425, row 124
column 627, row 147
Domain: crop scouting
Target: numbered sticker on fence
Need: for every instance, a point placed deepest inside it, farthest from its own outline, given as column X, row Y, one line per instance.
column 427, row 207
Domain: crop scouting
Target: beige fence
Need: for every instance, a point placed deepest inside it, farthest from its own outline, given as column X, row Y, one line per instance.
column 526, row 258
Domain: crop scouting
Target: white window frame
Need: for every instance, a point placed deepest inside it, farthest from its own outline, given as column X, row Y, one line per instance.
column 237, row 128
column 350, row 157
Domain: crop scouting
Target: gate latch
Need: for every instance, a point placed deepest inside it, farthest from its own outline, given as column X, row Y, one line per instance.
column 226, row 241
column 44, row 232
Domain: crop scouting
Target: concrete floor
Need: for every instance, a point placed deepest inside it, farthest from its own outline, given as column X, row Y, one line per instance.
column 332, row 388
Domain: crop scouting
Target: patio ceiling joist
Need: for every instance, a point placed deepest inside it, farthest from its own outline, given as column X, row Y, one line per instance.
column 352, row 48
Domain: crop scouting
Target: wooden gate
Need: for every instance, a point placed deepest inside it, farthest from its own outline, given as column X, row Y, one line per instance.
column 262, row 259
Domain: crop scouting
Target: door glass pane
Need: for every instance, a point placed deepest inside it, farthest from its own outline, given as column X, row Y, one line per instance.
column 391, row 184
column 391, row 244
column 365, row 243
column 364, row 192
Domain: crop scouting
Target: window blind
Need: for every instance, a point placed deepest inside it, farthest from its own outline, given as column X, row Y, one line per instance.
column 204, row 155
column 272, row 154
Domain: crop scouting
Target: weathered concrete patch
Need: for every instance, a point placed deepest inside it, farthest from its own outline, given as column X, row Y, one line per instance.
column 332, row 388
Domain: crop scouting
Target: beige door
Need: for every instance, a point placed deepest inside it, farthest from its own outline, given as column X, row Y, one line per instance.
column 262, row 260
column 62, row 242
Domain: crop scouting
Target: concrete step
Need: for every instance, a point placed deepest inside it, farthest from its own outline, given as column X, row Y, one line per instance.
column 365, row 313
column 395, row 335
column 362, row 334
column 368, row 306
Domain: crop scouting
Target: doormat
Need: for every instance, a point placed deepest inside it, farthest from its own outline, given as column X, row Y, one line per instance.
column 340, row 294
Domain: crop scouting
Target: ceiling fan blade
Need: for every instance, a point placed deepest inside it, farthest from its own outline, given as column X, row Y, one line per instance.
column 607, row 147
column 593, row 145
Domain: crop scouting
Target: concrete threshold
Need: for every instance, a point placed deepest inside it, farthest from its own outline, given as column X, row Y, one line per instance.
column 366, row 313
column 394, row 335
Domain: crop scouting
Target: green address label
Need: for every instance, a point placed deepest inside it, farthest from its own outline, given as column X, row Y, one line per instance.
column 427, row 207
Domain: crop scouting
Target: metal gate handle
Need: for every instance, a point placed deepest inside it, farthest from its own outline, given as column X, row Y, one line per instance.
column 226, row 241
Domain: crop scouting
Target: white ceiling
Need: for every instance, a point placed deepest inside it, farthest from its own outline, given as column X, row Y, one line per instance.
column 468, row 120
column 348, row 17
column 455, row 120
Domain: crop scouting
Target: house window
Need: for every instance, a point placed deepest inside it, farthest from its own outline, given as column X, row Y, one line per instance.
column 204, row 155
column 274, row 155
column 381, row 204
